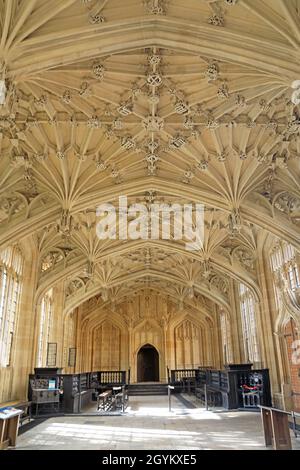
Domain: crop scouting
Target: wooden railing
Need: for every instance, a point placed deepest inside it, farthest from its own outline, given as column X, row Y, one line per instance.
column 178, row 375
column 224, row 387
column 217, row 379
column 112, row 377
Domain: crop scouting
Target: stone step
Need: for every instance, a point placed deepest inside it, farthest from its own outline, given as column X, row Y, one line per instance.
column 148, row 389
column 146, row 393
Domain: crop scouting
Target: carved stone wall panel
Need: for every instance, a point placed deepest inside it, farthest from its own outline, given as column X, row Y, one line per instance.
column 107, row 347
column 188, row 347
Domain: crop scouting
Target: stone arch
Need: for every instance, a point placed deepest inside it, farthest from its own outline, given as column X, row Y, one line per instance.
column 168, row 33
column 148, row 332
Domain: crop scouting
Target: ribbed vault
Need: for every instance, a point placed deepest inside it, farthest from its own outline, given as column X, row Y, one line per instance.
column 172, row 102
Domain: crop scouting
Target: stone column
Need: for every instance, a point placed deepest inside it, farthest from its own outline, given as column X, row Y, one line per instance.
column 164, row 377
column 236, row 332
column 268, row 310
column 57, row 324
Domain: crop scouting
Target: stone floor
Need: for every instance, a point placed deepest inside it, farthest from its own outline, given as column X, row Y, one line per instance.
column 147, row 425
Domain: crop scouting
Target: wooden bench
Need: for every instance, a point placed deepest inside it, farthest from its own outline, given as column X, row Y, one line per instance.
column 112, row 399
column 104, row 400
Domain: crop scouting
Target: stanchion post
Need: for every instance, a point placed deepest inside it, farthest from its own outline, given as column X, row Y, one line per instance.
column 169, row 396
column 205, row 397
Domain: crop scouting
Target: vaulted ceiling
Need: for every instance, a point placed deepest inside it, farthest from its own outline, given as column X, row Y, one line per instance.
column 165, row 101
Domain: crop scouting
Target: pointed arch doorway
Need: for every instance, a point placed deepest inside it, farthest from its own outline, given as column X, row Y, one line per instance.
column 148, row 364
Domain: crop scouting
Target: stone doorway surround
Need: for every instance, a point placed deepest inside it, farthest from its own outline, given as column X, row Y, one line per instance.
column 148, row 364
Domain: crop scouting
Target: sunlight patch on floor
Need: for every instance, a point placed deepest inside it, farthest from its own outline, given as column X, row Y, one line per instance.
column 164, row 412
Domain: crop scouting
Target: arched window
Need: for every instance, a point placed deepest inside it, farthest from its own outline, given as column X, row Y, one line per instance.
column 69, row 355
column 46, row 313
column 11, row 266
column 248, row 317
column 225, row 338
column 283, row 260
